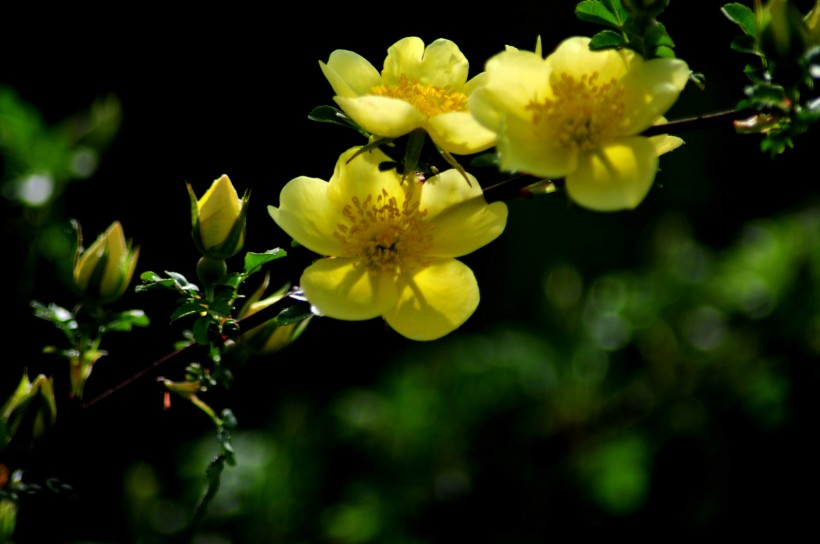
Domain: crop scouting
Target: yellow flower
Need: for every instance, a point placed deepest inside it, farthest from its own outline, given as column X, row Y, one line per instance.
column 392, row 246
column 104, row 270
column 218, row 219
column 578, row 114
column 419, row 87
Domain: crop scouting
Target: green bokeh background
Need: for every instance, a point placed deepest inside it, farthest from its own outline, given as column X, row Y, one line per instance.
column 647, row 373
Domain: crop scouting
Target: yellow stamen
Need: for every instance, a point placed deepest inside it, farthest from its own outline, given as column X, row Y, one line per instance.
column 582, row 113
column 384, row 236
column 428, row 99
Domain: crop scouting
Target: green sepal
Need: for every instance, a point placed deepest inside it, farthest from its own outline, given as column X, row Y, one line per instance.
column 334, row 116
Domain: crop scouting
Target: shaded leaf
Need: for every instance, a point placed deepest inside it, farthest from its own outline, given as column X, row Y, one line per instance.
column 593, row 11
column 743, row 16
column 254, row 261
column 606, row 39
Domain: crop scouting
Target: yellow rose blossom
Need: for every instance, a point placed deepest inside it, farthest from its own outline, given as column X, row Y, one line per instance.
column 391, row 246
column 578, row 115
column 419, row 88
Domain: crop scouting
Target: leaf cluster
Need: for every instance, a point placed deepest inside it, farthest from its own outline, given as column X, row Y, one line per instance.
column 631, row 24
column 781, row 91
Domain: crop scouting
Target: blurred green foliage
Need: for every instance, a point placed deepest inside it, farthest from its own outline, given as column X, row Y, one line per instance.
column 633, row 363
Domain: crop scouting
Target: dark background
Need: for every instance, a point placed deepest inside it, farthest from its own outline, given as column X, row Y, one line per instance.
column 208, row 92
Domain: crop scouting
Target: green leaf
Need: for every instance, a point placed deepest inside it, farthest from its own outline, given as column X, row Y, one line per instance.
column 744, row 44
column 593, row 11
column 334, row 116
column 200, row 331
column 293, row 314
column 743, row 16
column 181, row 281
column 254, row 261
column 606, row 39
column 125, row 321
column 187, row 309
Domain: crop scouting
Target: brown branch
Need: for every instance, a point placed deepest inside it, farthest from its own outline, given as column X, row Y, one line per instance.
column 245, row 324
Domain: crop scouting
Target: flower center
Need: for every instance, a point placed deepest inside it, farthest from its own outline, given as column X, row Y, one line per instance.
column 582, row 113
column 428, row 99
column 383, row 236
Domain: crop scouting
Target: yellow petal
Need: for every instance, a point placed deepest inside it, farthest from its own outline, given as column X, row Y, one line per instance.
column 219, row 209
column 349, row 73
column 650, row 89
column 616, row 176
column 441, row 63
column 307, row 215
column 459, row 133
column 361, row 178
column 514, row 79
column 525, row 149
column 435, row 301
column 573, row 57
column 382, row 116
column 664, row 143
column 339, row 290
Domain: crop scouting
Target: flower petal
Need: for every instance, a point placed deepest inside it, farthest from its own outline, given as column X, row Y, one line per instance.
column 574, row 58
column 462, row 219
column 524, row 148
column 382, row 116
column 361, row 178
column 435, row 301
column 441, row 63
column 306, row 214
column 514, row 80
column 340, row 290
column 650, row 89
column 616, row 176
column 459, row 133
column 664, row 143
column 350, row 74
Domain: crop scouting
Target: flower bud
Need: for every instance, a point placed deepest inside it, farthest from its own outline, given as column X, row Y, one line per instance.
column 104, row 270
column 30, row 410
column 218, row 219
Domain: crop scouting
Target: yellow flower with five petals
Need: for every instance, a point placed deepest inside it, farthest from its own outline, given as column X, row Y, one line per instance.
column 418, row 88
column 391, row 245
column 578, row 115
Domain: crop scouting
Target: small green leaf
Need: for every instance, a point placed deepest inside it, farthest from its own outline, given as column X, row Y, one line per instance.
column 593, row 11
column 200, row 331
column 254, row 261
column 293, row 314
column 743, row 16
column 606, row 39
column 125, row 321
column 150, row 276
column 187, row 309
column 744, row 44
